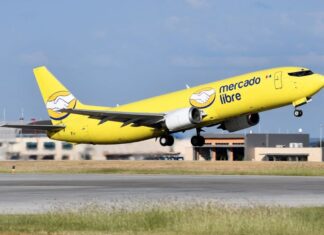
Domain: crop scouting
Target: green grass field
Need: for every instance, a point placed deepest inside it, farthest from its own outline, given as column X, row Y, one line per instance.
column 167, row 167
column 199, row 219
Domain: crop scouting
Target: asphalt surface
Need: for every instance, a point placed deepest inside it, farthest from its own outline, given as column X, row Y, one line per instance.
column 33, row 193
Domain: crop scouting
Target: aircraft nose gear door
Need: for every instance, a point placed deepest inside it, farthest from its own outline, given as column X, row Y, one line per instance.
column 278, row 80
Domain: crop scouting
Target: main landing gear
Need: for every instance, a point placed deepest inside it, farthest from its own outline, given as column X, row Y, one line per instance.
column 298, row 113
column 166, row 140
column 198, row 140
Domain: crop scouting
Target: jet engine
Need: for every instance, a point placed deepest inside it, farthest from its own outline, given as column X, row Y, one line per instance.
column 239, row 123
column 182, row 119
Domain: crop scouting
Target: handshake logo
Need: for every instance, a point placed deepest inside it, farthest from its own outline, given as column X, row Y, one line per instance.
column 60, row 100
column 203, row 97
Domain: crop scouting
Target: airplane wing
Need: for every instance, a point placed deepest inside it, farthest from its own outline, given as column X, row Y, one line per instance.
column 127, row 118
column 44, row 125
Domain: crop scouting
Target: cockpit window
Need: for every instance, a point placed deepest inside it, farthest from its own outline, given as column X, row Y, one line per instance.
column 301, row 73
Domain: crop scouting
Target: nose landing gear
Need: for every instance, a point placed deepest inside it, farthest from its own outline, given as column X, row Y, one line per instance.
column 298, row 113
column 300, row 102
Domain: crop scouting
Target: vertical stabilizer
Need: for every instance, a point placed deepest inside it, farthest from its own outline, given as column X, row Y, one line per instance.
column 55, row 95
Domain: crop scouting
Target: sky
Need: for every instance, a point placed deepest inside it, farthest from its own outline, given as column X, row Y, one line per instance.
column 110, row 52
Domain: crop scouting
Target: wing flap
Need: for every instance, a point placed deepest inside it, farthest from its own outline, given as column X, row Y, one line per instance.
column 127, row 118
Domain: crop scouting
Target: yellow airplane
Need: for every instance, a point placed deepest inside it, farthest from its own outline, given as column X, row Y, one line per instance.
column 233, row 104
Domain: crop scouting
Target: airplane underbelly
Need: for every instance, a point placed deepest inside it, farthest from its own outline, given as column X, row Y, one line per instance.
column 113, row 133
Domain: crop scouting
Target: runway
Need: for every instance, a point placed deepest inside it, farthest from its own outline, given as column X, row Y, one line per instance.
column 33, row 193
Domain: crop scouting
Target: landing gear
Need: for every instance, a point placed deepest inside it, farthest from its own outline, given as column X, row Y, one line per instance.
column 298, row 113
column 166, row 140
column 198, row 140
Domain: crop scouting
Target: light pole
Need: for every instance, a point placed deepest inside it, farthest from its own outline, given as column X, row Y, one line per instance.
column 321, row 126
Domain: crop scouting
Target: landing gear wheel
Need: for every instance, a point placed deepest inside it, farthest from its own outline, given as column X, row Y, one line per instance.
column 167, row 140
column 298, row 113
column 170, row 140
column 197, row 140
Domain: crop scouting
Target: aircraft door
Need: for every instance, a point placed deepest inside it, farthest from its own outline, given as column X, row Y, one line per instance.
column 278, row 80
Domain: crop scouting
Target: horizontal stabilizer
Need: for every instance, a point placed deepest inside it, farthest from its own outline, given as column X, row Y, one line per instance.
column 39, row 125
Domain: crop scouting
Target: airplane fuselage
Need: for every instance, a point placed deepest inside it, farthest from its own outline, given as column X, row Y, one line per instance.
column 237, row 96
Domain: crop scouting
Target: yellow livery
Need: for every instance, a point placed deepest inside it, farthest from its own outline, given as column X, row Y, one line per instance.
column 231, row 104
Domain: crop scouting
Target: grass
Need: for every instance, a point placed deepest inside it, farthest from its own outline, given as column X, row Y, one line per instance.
column 198, row 219
column 167, row 167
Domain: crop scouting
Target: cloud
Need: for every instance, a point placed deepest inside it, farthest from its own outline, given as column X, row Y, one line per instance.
column 34, row 58
column 192, row 62
column 197, row 3
column 303, row 22
column 318, row 23
column 307, row 60
column 234, row 61
column 215, row 42
column 288, row 20
column 247, row 61
column 310, row 59
column 172, row 22
column 100, row 34
column 262, row 5
column 103, row 61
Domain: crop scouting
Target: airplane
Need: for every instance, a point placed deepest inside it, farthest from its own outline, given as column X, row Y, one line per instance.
column 231, row 104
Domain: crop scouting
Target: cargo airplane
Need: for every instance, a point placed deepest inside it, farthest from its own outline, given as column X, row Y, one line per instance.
column 232, row 104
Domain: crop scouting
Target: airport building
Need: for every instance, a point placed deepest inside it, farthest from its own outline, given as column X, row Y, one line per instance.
column 258, row 147
column 15, row 145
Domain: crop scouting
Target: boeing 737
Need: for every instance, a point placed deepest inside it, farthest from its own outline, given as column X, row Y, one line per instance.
column 232, row 104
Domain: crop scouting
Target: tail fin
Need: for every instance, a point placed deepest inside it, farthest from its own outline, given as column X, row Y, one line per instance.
column 55, row 95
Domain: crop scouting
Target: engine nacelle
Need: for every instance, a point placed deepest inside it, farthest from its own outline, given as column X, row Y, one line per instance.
column 182, row 119
column 239, row 123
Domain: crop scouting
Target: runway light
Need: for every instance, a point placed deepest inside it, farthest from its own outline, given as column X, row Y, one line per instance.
column 13, row 169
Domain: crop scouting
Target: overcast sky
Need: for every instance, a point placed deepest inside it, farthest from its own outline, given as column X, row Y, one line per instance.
column 115, row 52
